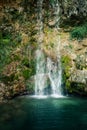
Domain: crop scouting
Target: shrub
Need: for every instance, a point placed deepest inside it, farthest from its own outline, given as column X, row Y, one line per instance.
column 79, row 32
column 27, row 73
column 25, row 62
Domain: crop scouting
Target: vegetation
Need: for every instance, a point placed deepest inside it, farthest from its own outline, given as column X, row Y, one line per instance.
column 66, row 65
column 79, row 32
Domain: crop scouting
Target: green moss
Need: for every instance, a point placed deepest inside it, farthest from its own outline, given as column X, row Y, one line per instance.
column 66, row 65
column 75, row 88
column 68, row 86
column 67, row 71
column 65, row 60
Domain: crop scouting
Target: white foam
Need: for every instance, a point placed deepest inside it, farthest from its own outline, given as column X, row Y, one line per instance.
column 39, row 96
column 57, row 96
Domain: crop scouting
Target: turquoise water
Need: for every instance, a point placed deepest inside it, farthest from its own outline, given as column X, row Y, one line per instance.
column 27, row 113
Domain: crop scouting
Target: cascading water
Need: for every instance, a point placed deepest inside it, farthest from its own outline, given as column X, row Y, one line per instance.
column 40, row 73
column 40, row 60
column 55, row 72
column 45, row 67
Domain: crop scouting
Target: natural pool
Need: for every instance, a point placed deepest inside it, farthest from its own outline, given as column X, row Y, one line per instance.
column 27, row 113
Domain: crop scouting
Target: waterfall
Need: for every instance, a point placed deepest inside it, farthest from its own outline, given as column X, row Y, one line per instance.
column 40, row 78
column 40, row 59
column 55, row 71
column 46, row 68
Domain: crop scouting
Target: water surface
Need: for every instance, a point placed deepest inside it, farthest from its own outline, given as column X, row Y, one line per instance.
column 27, row 113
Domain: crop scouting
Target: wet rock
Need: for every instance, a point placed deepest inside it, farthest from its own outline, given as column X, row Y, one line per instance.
column 79, row 76
column 77, row 83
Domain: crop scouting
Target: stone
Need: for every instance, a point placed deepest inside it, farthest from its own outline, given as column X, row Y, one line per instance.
column 74, row 7
column 78, row 48
column 78, row 76
column 84, row 44
column 51, row 23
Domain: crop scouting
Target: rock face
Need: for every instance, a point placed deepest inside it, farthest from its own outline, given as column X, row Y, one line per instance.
column 16, row 50
column 78, row 82
column 79, row 76
column 74, row 7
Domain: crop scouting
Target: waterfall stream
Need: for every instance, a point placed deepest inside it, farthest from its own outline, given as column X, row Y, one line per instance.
column 46, row 68
column 40, row 77
column 55, row 72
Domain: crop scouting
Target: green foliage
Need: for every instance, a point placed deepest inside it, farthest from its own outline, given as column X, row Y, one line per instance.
column 18, row 38
column 68, row 86
column 51, row 1
column 5, row 51
column 65, row 60
column 7, row 46
column 52, row 44
column 32, row 65
column 7, row 79
column 30, row 86
column 27, row 73
column 79, row 32
column 25, row 62
column 29, row 68
column 16, row 57
column 66, row 65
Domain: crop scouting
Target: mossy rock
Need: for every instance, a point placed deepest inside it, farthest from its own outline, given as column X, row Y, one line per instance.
column 75, row 88
column 66, row 65
column 68, row 86
column 30, row 85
